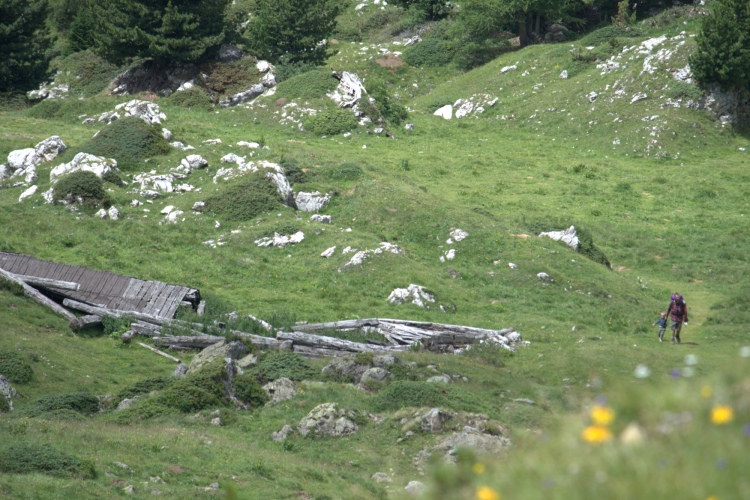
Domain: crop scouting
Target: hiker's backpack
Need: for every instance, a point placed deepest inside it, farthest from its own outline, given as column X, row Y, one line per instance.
column 678, row 308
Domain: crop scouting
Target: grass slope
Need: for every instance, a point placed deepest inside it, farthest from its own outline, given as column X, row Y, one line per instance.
column 669, row 216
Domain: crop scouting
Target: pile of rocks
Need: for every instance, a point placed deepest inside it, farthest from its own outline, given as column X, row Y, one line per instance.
column 22, row 163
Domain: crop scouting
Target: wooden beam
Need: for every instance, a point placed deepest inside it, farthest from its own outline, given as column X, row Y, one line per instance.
column 160, row 353
column 38, row 296
column 320, row 341
column 84, row 321
column 48, row 283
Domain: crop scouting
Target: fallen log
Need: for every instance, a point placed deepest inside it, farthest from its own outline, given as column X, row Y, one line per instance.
column 84, row 321
column 197, row 341
column 127, row 336
column 320, row 341
column 48, row 283
column 146, row 329
column 103, row 311
column 157, row 351
column 36, row 295
column 351, row 324
column 313, row 352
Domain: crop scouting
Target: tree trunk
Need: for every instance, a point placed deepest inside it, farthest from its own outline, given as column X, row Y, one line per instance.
column 48, row 283
column 319, row 341
column 157, row 351
column 85, row 321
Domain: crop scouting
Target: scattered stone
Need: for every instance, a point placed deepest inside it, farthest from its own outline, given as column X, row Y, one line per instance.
column 415, row 294
column 282, row 434
column 194, row 162
column 639, row 96
column 129, row 490
column 147, row 111
column 409, row 126
column 505, row 69
column 381, row 477
column 113, row 213
column 181, row 370
column 323, row 219
column 434, row 420
column 166, row 134
column 216, row 422
column 360, row 256
column 241, row 97
column 280, row 390
column 263, row 66
column 101, row 213
column 544, row 277
column 212, row 142
column 281, row 240
column 222, row 349
column 564, row 74
column 345, row 368
column 375, row 374
column 415, row 488
column 327, row 420
column 439, row 379
column 524, row 400
column 23, row 162
column 84, row 162
column 126, row 403
column 29, row 192
column 199, row 206
column 327, row 253
column 472, row 438
column 7, row 391
column 349, row 91
column 251, row 145
column 247, row 361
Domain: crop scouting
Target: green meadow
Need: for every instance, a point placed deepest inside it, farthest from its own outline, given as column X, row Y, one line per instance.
column 660, row 192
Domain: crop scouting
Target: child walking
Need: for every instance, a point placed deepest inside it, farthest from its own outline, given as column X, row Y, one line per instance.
column 662, row 322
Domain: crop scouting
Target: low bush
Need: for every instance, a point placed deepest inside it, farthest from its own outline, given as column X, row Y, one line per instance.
column 286, row 69
column 4, row 405
column 224, row 79
column 385, row 108
column 27, row 458
column 69, row 109
column 294, row 173
column 142, row 410
column 586, row 247
column 429, row 53
column 113, row 178
column 313, row 84
column 248, row 390
column 252, row 196
column 193, row 98
column 81, row 402
column 345, row 172
column 15, row 367
column 92, row 73
column 276, row 365
column 129, row 141
column 605, row 34
column 684, row 90
column 187, row 398
column 144, row 387
column 331, row 122
column 82, row 187
column 407, row 393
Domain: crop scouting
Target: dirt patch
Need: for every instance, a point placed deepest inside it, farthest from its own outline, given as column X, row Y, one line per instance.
column 280, row 102
column 522, row 236
column 621, row 268
column 175, row 469
column 390, row 61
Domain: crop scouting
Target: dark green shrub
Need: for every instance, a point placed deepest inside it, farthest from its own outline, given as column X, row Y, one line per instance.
column 331, row 122
column 81, row 402
column 142, row 410
column 586, row 247
column 29, row 458
column 193, row 98
column 604, row 35
column 225, row 79
column 280, row 364
column 385, row 107
column 90, row 74
column 64, row 415
column 283, row 228
column 129, row 141
column 112, row 325
column 345, row 172
column 248, row 390
column 84, row 187
column 113, row 178
column 404, row 393
column 313, row 84
column 144, row 387
column 364, row 358
column 429, row 53
column 294, row 174
column 15, row 367
column 252, row 196
column 287, row 69
column 4, row 405
column 188, row 398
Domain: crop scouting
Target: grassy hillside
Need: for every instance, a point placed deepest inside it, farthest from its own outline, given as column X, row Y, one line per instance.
column 660, row 190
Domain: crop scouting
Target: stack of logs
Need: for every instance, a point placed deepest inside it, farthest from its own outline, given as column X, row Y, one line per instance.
column 398, row 335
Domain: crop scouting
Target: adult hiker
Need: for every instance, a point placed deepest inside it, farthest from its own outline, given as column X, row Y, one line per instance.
column 678, row 315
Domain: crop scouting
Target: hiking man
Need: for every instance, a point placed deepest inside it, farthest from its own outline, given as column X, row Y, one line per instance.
column 678, row 310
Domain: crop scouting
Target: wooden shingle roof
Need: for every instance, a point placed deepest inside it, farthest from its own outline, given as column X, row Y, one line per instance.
column 102, row 288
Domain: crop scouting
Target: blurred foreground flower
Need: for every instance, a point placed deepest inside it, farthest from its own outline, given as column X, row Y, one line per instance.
column 642, row 371
column 721, row 415
column 601, row 415
column 706, row 392
column 487, row 493
column 596, row 434
column 478, row 468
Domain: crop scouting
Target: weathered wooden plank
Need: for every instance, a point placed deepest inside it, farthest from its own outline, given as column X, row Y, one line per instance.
column 196, row 341
column 110, row 282
column 157, row 351
column 48, row 283
column 175, row 301
column 161, row 300
column 38, row 296
column 320, row 341
column 201, row 308
column 156, row 288
column 312, row 352
column 103, row 282
column 84, row 321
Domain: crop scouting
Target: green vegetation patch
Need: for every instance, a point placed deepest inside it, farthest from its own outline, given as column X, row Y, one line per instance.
column 331, row 122
column 129, row 141
column 429, row 53
column 408, row 393
column 144, row 387
column 248, row 390
column 15, row 367
column 27, row 458
column 276, row 365
column 345, row 172
column 89, row 73
column 193, row 98
column 313, row 84
column 4, row 405
column 252, row 196
column 81, row 402
column 81, row 187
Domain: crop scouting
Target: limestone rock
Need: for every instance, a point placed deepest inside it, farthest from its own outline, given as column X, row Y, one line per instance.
column 84, row 162
column 381, row 477
column 228, row 52
column 349, row 91
column 386, row 360
column 194, row 162
column 345, row 368
column 222, row 349
column 327, row 420
column 472, row 438
column 323, row 219
column 247, row 361
column 445, row 112
column 240, row 97
column 29, row 192
column 414, row 294
column 113, row 213
column 276, row 173
column 7, row 391
column 281, row 241
column 568, row 236
column 49, row 148
column 282, row 434
column 415, row 488
column 280, row 390
column 375, row 374
column 312, row 202
column 328, row 252
column 181, row 370
column 435, row 420
column 263, row 66
column 147, row 111
column 126, row 403
column 439, row 379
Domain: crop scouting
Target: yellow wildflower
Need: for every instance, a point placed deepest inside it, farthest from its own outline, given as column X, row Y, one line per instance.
column 601, row 415
column 721, row 415
column 707, row 392
column 596, row 434
column 487, row 493
column 478, row 468
column 712, row 497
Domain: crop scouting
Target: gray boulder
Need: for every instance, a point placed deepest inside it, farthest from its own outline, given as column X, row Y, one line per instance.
column 181, row 370
column 126, row 403
column 415, row 488
column 345, row 368
column 223, row 349
column 280, row 390
column 386, row 360
column 282, row 434
column 439, row 379
column 374, row 374
column 311, row 202
column 7, row 391
column 327, row 420
column 435, row 420
column 247, row 361
column 239, row 98
column 472, row 438
column 381, row 477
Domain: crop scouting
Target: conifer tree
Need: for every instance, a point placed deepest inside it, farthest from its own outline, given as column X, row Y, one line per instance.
column 165, row 31
column 292, row 30
column 23, row 42
column 723, row 53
